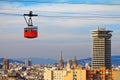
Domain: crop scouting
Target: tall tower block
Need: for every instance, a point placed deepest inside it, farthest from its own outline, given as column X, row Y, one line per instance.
column 101, row 50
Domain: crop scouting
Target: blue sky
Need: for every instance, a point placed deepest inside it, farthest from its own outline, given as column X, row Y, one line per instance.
column 70, row 34
column 70, row 1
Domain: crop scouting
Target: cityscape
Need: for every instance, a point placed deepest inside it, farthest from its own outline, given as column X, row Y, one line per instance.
column 59, row 40
column 101, row 68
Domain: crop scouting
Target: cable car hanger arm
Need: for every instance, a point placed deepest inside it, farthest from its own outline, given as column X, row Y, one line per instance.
column 30, row 15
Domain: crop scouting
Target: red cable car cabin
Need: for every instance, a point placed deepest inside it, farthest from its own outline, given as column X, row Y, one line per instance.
column 31, row 32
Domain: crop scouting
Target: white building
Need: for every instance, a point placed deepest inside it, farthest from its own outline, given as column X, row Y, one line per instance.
column 54, row 74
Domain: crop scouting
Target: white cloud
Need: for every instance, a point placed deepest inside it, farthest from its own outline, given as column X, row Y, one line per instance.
column 72, row 7
column 79, row 23
column 76, row 9
column 63, row 37
column 11, row 37
column 12, row 20
column 79, row 8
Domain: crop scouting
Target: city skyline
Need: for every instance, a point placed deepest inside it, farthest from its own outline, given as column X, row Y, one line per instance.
column 69, row 34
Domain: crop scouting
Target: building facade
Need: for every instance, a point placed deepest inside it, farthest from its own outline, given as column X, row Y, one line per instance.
column 99, row 74
column 101, row 52
column 54, row 74
column 116, row 74
column 28, row 63
column 76, row 74
column 6, row 64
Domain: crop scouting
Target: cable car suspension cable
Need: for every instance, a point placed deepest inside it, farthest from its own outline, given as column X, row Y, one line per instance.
column 91, row 17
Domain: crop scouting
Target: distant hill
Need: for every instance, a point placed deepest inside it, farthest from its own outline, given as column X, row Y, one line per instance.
column 83, row 61
column 115, row 60
column 11, row 61
column 36, row 60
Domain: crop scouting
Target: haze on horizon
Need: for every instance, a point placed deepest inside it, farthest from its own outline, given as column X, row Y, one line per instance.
column 70, row 35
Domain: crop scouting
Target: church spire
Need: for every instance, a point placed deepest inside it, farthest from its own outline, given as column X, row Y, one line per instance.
column 61, row 63
column 75, row 62
column 61, row 58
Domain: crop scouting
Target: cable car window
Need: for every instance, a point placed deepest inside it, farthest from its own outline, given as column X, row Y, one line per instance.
column 25, row 30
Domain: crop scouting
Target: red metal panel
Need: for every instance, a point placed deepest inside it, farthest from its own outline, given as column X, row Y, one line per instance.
column 30, row 33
